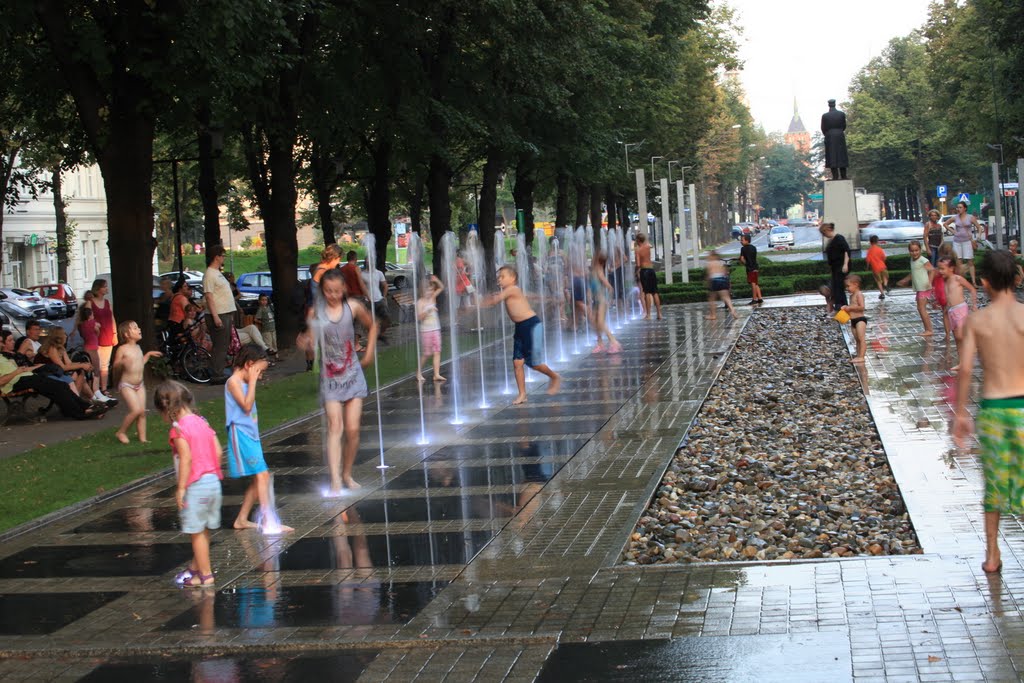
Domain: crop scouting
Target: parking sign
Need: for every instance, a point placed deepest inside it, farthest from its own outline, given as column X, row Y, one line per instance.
column 941, row 191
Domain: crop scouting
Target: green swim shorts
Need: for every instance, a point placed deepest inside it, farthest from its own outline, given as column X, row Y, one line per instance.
column 1000, row 427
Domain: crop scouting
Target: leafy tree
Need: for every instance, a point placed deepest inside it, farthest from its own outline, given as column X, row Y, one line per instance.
column 787, row 178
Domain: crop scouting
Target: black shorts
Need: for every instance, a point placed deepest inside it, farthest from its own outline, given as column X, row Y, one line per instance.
column 648, row 281
column 719, row 284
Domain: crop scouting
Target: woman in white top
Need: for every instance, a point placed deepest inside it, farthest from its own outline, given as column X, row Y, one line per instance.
column 963, row 239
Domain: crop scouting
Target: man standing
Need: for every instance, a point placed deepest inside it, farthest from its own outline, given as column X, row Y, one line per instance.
column 837, row 253
column 748, row 256
column 220, row 305
column 377, row 286
column 646, row 276
column 354, row 279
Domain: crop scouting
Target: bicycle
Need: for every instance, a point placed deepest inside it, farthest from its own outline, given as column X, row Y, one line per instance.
column 185, row 356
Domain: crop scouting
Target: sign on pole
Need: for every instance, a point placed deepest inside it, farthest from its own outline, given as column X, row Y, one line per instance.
column 941, row 191
column 964, row 197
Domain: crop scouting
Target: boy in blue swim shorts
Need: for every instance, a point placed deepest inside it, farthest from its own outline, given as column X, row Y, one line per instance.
column 528, row 337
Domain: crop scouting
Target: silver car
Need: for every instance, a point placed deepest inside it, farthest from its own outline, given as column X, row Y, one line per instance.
column 780, row 236
column 26, row 301
column 893, row 230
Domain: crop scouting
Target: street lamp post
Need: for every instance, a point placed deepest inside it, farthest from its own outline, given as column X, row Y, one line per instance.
column 654, row 233
column 625, row 149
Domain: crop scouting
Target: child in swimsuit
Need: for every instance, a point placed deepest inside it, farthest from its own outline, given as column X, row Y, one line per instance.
column 528, row 336
column 858, row 323
column 430, row 328
column 129, row 367
column 958, row 309
column 718, row 284
column 921, row 274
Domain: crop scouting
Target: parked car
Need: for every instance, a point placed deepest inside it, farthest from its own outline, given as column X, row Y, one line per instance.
column 24, row 300
column 893, row 230
column 780, row 236
column 260, row 282
column 61, row 292
column 737, row 231
column 800, row 223
column 194, row 277
column 15, row 318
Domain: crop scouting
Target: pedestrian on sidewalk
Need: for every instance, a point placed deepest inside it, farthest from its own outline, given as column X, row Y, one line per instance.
column 876, row 262
column 528, row 338
column 220, row 304
column 197, row 456
column 995, row 334
column 837, row 253
column 748, row 257
column 921, row 275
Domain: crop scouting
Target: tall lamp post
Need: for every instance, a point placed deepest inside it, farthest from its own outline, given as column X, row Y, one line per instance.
column 217, row 147
column 626, row 146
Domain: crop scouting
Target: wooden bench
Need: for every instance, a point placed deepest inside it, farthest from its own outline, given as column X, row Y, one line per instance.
column 406, row 304
column 16, row 407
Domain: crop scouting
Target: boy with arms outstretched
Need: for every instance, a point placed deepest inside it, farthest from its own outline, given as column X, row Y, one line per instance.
column 996, row 334
column 528, row 336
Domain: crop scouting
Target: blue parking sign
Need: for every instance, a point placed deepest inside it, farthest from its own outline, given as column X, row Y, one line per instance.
column 941, row 191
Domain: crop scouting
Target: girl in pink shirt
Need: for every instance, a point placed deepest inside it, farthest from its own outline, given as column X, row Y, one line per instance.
column 197, row 456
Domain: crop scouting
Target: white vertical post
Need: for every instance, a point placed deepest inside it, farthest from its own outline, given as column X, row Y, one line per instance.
column 684, row 270
column 666, row 232
column 997, row 201
column 1020, row 200
column 641, row 201
column 693, row 225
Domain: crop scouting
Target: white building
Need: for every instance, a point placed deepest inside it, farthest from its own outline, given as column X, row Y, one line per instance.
column 30, row 236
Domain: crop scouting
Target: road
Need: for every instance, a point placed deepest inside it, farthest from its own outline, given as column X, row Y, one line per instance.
column 804, row 238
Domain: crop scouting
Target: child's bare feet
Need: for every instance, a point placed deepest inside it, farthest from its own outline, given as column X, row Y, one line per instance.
column 857, row 361
column 927, row 333
column 122, row 437
column 520, row 399
column 351, row 484
column 420, row 378
column 955, row 368
column 712, row 317
column 243, row 524
column 439, row 378
column 279, row 529
column 553, row 386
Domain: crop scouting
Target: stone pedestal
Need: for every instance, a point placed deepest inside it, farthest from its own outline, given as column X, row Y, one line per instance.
column 841, row 209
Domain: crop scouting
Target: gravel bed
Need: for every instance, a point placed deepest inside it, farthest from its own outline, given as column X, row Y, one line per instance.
column 782, row 461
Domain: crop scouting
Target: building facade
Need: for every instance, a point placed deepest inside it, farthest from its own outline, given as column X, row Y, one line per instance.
column 30, row 234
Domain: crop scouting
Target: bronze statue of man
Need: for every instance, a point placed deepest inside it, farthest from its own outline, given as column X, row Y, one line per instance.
column 833, row 127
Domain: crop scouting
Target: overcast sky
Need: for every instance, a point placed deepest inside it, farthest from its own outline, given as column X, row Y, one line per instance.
column 810, row 50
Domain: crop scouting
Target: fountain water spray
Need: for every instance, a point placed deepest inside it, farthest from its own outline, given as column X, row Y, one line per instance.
column 585, row 237
column 475, row 256
column 557, row 263
column 541, row 270
column 575, row 281
column 523, row 275
column 416, row 258
column 449, row 251
column 499, row 261
column 370, row 242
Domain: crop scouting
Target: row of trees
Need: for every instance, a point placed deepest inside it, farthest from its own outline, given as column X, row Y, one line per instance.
column 928, row 109
column 388, row 107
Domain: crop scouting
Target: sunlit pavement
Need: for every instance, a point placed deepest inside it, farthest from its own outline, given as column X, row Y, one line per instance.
column 492, row 552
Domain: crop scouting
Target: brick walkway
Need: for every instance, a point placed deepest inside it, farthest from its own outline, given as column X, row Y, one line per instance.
column 492, row 552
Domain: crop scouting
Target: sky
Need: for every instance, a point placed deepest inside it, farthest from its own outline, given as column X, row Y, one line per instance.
column 811, row 49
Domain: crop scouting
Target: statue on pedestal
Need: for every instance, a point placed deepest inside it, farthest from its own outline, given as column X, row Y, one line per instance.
column 833, row 127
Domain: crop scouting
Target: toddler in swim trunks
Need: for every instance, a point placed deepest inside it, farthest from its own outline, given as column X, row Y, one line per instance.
column 129, row 367
column 718, row 284
column 858, row 323
column 955, row 299
column 995, row 334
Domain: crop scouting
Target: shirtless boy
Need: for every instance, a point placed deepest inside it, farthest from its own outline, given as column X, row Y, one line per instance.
column 996, row 334
column 956, row 312
column 130, row 366
column 528, row 335
column 646, row 276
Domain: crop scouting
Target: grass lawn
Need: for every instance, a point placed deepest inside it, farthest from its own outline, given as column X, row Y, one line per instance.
column 52, row 477
column 240, row 262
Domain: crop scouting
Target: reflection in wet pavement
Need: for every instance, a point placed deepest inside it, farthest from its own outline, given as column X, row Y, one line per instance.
column 350, row 604
column 758, row 659
column 95, row 560
column 345, row 667
column 43, row 613
column 436, row 508
column 460, row 476
column 392, row 550
column 531, row 448
column 142, row 519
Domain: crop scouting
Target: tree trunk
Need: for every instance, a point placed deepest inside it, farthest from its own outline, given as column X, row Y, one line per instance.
column 5, row 179
column 416, row 206
column 127, row 167
column 609, row 200
column 378, row 199
column 281, row 242
column 522, row 192
column 582, row 203
column 207, row 183
column 488, row 207
column 324, row 179
column 439, row 178
column 60, row 215
column 595, row 213
column 562, row 200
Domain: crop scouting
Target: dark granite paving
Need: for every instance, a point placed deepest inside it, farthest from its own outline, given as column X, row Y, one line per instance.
column 491, row 552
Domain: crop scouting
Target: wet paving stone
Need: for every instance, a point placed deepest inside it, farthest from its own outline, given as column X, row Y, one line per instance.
column 378, row 550
column 531, row 412
column 530, row 429
column 95, row 560
column 459, row 476
column 144, row 519
column 313, row 457
column 344, row 667
column 758, row 659
column 527, row 448
column 434, row 508
column 348, row 604
column 43, row 613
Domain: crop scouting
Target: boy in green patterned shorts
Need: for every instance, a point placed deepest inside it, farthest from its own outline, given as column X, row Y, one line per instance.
column 996, row 334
